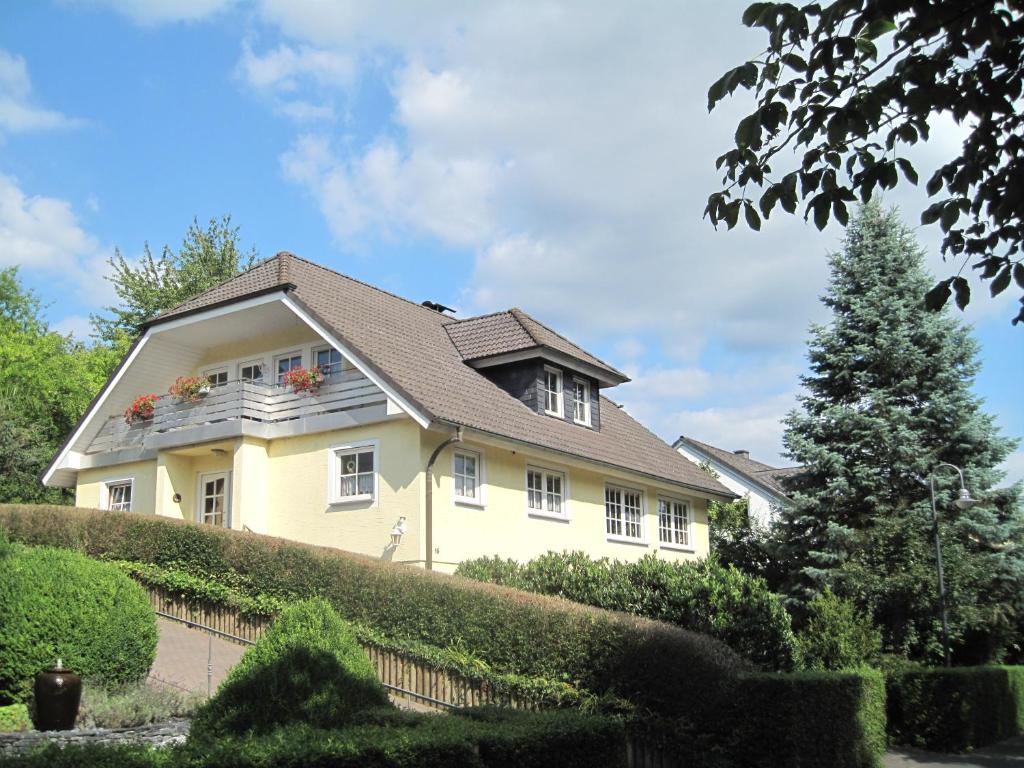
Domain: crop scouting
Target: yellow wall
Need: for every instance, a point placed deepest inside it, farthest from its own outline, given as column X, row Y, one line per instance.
column 88, row 492
column 504, row 526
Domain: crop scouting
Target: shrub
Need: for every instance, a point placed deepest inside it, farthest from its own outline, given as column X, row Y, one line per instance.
column 14, row 717
column 133, row 705
column 93, row 756
column 956, row 710
column 308, row 668
column 827, row 719
column 513, row 632
column 702, row 596
column 59, row 604
column 837, row 636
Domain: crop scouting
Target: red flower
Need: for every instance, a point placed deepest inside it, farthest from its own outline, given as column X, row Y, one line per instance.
column 142, row 407
column 304, row 379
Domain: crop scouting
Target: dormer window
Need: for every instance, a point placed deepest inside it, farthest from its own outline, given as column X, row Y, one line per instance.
column 552, row 391
column 581, row 401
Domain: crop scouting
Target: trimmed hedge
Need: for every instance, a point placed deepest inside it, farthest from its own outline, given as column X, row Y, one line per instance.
column 956, row 710
column 808, row 720
column 652, row 664
column 14, row 718
column 308, row 668
column 701, row 596
column 60, row 604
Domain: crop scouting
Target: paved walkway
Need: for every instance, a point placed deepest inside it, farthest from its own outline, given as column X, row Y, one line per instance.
column 1009, row 754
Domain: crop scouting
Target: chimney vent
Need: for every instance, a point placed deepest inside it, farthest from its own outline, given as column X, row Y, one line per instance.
column 437, row 307
column 743, row 453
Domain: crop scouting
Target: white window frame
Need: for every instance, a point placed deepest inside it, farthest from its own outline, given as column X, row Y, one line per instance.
column 334, row 497
column 200, row 497
column 545, row 473
column 261, row 362
column 323, row 348
column 105, row 493
column 214, row 371
column 285, row 355
column 688, row 514
column 576, row 401
column 561, row 391
column 480, row 500
column 622, row 538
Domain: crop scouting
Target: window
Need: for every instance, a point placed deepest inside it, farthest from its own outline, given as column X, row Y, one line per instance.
column 553, row 391
column 285, row 363
column 581, row 401
column 673, row 523
column 545, row 492
column 328, row 360
column 251, row 371
column 218, row 376
column 467, row 469
column 624, row 513
column 213, row 500
column 119, row 495
column 353, row 473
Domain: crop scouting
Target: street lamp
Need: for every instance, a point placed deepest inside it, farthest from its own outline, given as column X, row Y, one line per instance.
column 963, row 501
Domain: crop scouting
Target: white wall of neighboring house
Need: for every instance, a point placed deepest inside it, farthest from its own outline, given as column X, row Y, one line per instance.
column 763, row 507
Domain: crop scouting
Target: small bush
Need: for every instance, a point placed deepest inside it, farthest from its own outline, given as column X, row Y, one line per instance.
column 14, row 717
column 826, row 719
column 133, row 705
column 702, row 596
column 60, row 604
column 512, row 632
column 956, row 710
column 837, row 636
column 307, row 668
column 93, row 756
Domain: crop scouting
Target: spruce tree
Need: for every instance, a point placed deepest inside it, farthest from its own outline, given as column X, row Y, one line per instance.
column 888, row 398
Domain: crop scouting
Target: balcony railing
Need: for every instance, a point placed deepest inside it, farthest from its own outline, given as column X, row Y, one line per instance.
column 240, row 401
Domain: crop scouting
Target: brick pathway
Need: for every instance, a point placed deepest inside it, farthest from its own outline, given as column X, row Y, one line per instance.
column 182, row 654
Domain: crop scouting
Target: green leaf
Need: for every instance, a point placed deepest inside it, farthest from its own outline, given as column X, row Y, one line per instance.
column 908, row 170
column 867, row 48
column 934, row 183
column 877, row 28
column 753, row 220
column 821, row 205
column 1001, row 281
column 962, row 291
column 937, row 297
column 837, row 128
column 1018, row 274
column 748, row 131
column 931, row 213
column 753, row 13
column 950, row 215
column 840, row 212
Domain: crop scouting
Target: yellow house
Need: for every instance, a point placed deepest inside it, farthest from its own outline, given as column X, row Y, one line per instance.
column 428, row 440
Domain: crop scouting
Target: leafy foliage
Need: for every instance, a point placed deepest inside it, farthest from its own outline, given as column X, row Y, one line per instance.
column 837, row 636
column 60, row 604
column 512, row 632
column 888, row 398
column 135, row 704
column 702, row 596
column 851, row 84
column 308, row 668
column 14, row 718
column 956, row 710
column 206, row 258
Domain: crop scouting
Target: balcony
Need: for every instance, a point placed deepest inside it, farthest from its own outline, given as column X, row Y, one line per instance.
column 246, row 408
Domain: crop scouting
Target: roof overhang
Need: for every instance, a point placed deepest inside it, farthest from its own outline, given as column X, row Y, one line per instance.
column 604, row 377
column 738, row 475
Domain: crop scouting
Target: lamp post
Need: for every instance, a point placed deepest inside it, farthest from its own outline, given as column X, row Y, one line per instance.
column 963, row 501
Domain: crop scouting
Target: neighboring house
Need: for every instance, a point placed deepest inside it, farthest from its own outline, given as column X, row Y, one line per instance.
column 432, row 439
column 760, row 483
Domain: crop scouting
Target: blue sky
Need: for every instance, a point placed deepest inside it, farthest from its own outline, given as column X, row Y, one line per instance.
column 553, row 156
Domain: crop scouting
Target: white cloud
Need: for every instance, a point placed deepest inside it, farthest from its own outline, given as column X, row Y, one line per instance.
column 17, row 112
column 1014, row 468
column 149, row 13
column 74, row 325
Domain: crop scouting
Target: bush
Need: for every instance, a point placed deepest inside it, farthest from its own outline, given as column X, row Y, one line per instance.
column 93, row 756
column 956, row 710
column 307, row 668
column 810, row 719
column 837, row 636
column 59, row 604
column 702, row 596
column 14, row 717
column 513, row 632
column 133, row 705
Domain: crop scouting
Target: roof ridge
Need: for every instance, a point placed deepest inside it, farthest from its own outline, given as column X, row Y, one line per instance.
column 566, row 339
column 456, row 320
column 253, row 268
column 516, row 312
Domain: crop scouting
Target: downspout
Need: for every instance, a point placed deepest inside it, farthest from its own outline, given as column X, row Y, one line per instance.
column 429, row 506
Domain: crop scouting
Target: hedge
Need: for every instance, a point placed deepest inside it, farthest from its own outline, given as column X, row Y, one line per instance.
column 14, row 717
column 56, row 604
column 702, row 596
column 808, row 720
column 654, row 665
column 956, row 710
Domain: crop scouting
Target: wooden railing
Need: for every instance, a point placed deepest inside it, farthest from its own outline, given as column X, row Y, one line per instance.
column 404, row 676
column 239, row 400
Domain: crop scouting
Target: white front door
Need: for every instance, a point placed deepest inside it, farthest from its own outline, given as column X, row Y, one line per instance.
column 215, row 499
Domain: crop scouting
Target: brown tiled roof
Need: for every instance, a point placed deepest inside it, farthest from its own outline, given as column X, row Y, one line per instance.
column 766, row 475
column 514, row 331
column 264, row 276
column 410, row 347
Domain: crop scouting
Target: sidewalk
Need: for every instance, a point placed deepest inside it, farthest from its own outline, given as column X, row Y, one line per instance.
column 1008, row 754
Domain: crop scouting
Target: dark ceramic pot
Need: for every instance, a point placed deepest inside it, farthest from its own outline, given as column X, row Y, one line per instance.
column 58, row 692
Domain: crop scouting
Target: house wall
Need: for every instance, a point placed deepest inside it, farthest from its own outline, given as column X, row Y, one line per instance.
column 504, row 525
column 89, row 490
column 762, row 508
column 524, row 380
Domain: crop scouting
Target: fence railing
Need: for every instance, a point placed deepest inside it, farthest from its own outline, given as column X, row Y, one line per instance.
column 404, row 676
column 236, row 400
